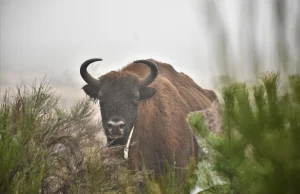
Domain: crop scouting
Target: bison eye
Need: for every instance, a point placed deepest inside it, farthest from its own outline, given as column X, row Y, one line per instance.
column 101, row 99
column 100, row 96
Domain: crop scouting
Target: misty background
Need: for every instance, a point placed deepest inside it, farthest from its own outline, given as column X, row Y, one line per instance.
column 202, row 38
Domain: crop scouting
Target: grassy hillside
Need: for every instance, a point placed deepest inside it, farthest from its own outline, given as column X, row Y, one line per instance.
column 253, row 148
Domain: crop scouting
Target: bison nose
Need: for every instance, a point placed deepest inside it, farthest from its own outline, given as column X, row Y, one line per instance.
column 116, row 127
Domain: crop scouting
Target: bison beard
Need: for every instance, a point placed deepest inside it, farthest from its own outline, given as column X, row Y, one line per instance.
column 155, row 99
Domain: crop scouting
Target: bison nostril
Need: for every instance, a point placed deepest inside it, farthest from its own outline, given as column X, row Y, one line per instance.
column 109, row 124
column 122, row 125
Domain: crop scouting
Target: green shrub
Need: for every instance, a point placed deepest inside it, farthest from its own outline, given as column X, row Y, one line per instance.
column 258, row 151
column 46, row 148
column 23, row 161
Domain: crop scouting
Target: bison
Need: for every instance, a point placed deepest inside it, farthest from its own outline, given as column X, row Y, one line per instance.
column 147, row 102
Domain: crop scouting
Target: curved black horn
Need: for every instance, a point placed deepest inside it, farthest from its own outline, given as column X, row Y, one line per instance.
column 86, row 76
column 151, row 77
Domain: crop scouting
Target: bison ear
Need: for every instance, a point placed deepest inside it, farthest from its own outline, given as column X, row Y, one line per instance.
column 147, row 92
column 90, row 91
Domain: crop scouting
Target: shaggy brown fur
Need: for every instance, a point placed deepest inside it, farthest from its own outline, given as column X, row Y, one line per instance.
column 157, row 108
column 161, row 130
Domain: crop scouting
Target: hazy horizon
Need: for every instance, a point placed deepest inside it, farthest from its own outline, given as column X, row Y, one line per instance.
column 53, row 38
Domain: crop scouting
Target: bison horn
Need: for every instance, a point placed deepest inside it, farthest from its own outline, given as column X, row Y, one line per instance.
column 151, row 77
column 86, row 76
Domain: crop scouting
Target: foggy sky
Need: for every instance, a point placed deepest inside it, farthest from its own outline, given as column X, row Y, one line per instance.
column 53, row 37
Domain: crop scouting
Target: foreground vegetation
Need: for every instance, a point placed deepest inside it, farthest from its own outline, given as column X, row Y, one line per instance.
column 258, row 151
column 46, row 148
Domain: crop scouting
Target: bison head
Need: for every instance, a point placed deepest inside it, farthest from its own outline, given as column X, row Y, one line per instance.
column 119, row 94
